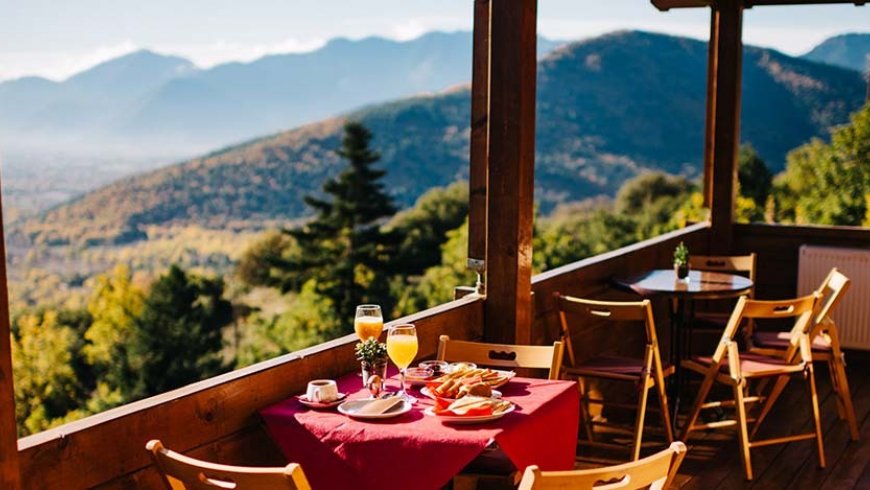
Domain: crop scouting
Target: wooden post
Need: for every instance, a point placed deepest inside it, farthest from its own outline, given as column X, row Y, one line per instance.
column 511, row 165
column 711, row 112
column 479, row 142
column 726, row 41
column 9, row 472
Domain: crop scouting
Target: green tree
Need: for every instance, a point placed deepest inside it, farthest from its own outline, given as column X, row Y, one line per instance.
column 343, row 249
column 828, row 183
column 264, row 262
column 115, row 304
column 424, row 227
column 46, row 384
column 178, row 334
column 652, row 200
column 753, row 176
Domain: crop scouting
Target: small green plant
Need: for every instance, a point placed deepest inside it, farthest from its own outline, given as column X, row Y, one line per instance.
column 371, row 352
column 681, row 255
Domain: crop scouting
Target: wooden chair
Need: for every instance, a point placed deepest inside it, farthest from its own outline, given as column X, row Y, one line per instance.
column 503, row 355
column 655, row 472
column 493, row 464
column 715, row 321
column 180, row 472
column 825, row 347
column 728, row 366
column 645, row 373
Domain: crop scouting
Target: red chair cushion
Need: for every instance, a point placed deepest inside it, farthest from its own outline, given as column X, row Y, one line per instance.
column 779, row 340
column 750, row 364
column 614, row 365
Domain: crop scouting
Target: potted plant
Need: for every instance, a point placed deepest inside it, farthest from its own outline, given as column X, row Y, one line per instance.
column 373, row 357
column 681, row 261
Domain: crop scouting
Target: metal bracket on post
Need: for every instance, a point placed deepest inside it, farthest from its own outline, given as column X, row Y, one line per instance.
column 478, row 266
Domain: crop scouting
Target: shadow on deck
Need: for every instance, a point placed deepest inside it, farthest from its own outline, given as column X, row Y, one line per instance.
column 713, row 461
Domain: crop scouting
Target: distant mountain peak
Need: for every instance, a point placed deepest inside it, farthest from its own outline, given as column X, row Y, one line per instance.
column 850, row 50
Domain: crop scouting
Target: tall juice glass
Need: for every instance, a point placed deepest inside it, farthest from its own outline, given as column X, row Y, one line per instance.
column 402, row 349
column 369, row 322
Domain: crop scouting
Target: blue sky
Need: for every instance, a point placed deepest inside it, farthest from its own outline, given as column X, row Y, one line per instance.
column 56, row 39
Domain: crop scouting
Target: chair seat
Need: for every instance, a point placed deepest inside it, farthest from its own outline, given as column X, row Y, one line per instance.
column 626, row 366
column 779, row 340
column 751, row 365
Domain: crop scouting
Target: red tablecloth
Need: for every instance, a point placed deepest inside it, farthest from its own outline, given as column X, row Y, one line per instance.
column 417, row 451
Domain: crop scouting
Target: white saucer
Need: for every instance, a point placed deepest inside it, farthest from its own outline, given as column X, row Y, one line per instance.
column 303, row 399
column 350, row 408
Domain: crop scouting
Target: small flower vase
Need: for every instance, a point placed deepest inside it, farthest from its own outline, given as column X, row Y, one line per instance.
column 369, row 369
column 682, row 272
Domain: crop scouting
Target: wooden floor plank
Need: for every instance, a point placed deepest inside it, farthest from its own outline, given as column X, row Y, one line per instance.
column 798, row 465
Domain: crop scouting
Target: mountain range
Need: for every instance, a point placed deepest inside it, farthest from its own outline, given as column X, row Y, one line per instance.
column 146, row 99
column 846, row 50
column 608, row 108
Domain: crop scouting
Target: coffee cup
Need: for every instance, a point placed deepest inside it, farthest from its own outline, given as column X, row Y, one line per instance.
column 322, row 391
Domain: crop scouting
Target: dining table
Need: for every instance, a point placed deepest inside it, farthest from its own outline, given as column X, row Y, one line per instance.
column 699, row 285
column 417, row 450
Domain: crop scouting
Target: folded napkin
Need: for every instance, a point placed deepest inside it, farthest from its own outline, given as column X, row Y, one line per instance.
column 379, row 406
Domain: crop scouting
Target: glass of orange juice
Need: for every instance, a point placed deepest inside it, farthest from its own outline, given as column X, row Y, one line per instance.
column 369, row 322
column 402, row 349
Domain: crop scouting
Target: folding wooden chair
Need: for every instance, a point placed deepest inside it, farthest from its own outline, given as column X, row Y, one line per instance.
column 503, row 355
column 655, row 472
column 728, row 366
column 645, row 373
column 715, row 321
column 180, row 472
column 825, row 348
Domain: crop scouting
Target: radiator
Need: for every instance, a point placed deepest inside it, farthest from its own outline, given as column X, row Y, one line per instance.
column 853, row 313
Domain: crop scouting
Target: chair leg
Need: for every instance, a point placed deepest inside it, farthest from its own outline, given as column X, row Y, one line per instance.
column 742, row 432
column 775, row 392
column 641, row 414
column 843, row 393
column 814, row 397
column 663, row 406
column 585, row 416
column 703, row 391
column 841, row 410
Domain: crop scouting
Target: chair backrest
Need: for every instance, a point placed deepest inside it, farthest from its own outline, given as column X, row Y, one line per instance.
column 802, row 309
column 182, row 472
column 832, row 289
column 503, row 355
column 655, row 471
column 614, row 311
column 744, row 264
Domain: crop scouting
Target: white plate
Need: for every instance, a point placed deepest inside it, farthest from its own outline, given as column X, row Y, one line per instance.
column 303, row 399
column 507, row 374
column 457, row 419
column 425, row 391
column 349, row 408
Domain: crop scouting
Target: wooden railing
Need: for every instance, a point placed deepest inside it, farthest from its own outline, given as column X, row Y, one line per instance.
column 216, row 419
column 591, row 278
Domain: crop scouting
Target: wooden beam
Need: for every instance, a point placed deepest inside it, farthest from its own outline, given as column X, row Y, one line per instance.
column 727, row 22
column 681, row 4
column 511, row 165
column 9, row 472
column 479, row 134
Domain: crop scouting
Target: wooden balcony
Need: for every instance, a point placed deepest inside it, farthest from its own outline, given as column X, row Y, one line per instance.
column 217, row 418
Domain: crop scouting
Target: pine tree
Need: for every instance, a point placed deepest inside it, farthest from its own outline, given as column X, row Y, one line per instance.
column 178, row 334
column 343, row 249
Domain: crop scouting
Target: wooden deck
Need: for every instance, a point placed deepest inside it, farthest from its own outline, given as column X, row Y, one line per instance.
column 713, row 461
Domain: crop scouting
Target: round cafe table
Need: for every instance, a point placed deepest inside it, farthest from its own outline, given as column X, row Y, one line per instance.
column 701, row 285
